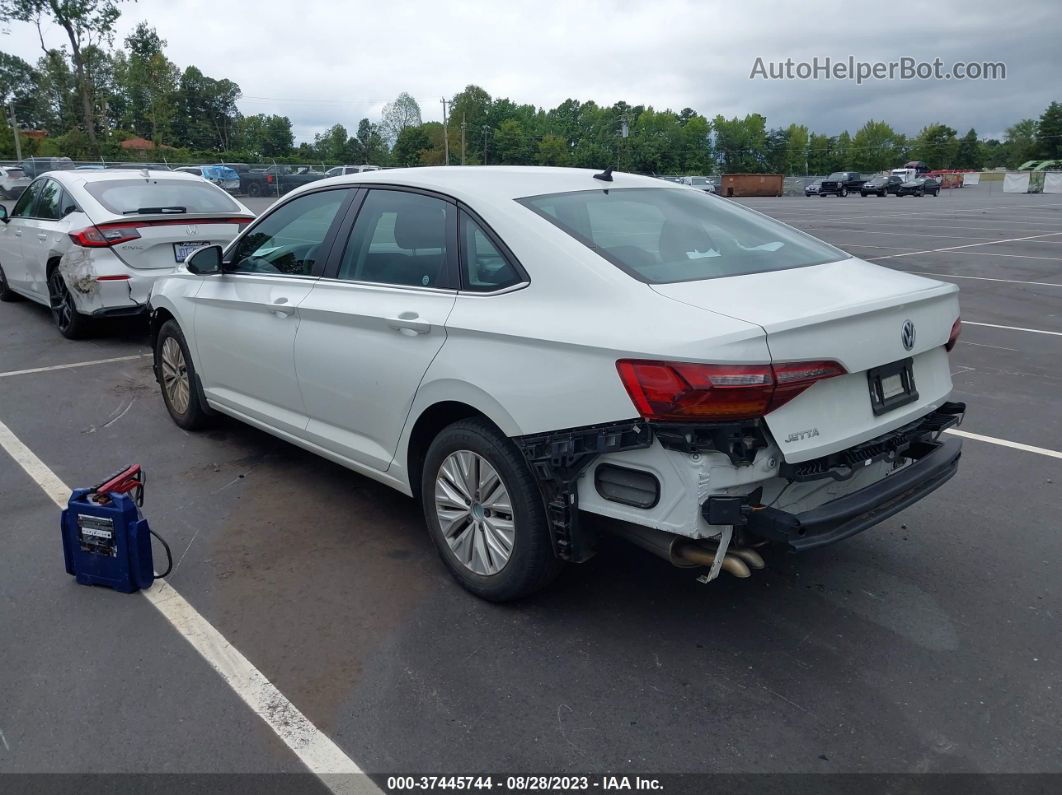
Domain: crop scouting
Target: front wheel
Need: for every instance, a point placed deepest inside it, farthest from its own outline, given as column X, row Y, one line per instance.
column 71, row 324
column 485, row 513
column 843, row 192
column 176, row 375
column 254, row 190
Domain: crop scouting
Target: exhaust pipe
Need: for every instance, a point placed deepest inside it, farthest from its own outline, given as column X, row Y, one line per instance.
column 684, row 553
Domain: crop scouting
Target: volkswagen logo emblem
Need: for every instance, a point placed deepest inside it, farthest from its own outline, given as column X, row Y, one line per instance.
column 907, row 335
column 192, row 229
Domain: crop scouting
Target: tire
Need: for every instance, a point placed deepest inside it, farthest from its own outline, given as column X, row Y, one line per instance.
column 71, row 324
column 843, row 192
column 254, row 190
column 475, row 549
column 7, row 295
column 176, row 375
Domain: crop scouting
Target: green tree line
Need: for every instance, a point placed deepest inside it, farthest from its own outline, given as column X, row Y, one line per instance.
column 92, row 93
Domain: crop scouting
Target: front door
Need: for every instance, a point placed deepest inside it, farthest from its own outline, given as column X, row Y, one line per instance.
column 246, row 318
column 12, row 235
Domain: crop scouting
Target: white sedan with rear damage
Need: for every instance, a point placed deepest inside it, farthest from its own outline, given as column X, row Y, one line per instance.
column 90, row 244
column 538, row 355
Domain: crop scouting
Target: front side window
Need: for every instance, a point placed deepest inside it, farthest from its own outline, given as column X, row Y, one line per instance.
column 484, row 267
column 289, row 240
column 400, row 238
column 662, row 235
column 24, row 206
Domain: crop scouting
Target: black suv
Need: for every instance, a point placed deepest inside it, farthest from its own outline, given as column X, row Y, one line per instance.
column 881, row 185
column 840, row 182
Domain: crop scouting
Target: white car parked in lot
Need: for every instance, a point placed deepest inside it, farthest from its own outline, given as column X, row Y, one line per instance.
column 13, row 181
column 90, row 244
column 536, row 354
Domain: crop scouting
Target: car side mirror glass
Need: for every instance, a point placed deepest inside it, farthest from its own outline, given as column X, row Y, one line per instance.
column 205, row 261
column 3, row 214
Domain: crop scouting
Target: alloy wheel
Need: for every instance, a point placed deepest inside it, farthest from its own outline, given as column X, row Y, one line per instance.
column 62, row 303
column 175, row 375
column 475, row 512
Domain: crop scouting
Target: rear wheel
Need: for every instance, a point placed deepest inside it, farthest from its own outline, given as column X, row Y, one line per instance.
column 843, row 192
column 6, row 293
column 485, row 513
column 71, row 324
column 176, row 376
column 254, row 190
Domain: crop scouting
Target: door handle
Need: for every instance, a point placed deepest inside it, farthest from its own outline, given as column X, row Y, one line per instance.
column 407, row 323
column 42, row 236
column 279, row 309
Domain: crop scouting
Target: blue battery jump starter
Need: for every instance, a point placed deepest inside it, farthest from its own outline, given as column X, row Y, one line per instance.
column 106, row 539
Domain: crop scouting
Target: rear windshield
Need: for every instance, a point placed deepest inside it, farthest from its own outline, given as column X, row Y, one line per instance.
column 663, row 235
column 15, row 172
column 130, row 195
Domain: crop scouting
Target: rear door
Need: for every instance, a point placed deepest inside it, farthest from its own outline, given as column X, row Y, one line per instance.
column 372, row 326
column 45, row 234
column 246, row 319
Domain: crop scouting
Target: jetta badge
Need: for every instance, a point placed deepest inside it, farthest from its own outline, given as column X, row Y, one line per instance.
column 907, row 335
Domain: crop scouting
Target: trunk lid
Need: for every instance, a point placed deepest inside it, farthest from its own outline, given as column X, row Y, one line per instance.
column 164, row 242
column 851, row 312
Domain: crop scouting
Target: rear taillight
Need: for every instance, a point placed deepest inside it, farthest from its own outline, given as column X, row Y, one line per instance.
column 104, row 235
column 956, row 329
column 684, row 392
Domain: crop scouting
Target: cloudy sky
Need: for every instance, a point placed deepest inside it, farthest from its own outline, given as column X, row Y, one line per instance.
column 323, row 61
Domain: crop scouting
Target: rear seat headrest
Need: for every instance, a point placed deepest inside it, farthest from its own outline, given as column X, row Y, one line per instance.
column 423, row 226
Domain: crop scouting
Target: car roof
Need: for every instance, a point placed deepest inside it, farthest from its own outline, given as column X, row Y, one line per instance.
column 497, row 182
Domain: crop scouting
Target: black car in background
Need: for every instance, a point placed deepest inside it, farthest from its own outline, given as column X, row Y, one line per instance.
column 812, row 188
column 919, row 186
column 881, row 185
column 35, row 166
column 840, row 182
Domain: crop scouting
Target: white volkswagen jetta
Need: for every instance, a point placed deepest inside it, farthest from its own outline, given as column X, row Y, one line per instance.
column 89, row 244
column 536, row 354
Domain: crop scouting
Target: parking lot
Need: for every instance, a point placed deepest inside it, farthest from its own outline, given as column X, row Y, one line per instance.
column 927, row 644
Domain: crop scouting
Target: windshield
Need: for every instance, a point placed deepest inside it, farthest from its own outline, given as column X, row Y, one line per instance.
column 129, row 195
column 699, row 180
column 837, row 175
column 662, row 235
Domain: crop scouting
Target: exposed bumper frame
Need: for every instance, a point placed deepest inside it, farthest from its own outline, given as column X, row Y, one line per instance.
column 846, row 516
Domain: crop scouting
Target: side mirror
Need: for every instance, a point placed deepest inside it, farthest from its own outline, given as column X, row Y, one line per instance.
column 3, row 214
column 204, row 261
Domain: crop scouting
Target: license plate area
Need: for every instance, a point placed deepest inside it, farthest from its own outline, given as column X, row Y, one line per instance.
column 892, row 386
column 182, row 250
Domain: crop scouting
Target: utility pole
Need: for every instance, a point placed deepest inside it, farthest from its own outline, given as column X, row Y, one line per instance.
column 14, row 129
column 446, row 134
column 486, row 129
column 462, row 139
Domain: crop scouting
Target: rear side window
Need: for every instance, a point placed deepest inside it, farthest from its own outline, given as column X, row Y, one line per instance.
column 402, row 239
column 50, row 203
column 484, row 268
column 128, row 196
column 664, row 235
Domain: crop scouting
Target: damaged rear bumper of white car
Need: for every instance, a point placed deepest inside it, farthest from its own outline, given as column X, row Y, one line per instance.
column 102, row 285
column 712, row 494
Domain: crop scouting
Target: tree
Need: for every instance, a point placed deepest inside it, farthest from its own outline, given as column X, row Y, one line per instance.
column 266, row 136
column 369, row 144
column 148, row 86
column 1021, row 142
column 874, row 147
column 741, row 143
column 968, row 154
column 937, row 146
column 552, row 151
column 1049, row 132
column 410, row 143
column 511, row 144
column 403, row 112
column 87, row 23
column 334, row 145
column 471, row 106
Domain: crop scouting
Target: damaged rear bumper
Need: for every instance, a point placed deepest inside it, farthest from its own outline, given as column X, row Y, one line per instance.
column 934, row 465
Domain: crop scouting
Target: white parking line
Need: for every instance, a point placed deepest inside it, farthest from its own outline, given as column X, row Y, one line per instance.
column 968, row 245
column 984, row 279
column 1013, row 328
column 32, row 370
column 315, row 750
column 1028, row 448
column 1000, row 254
